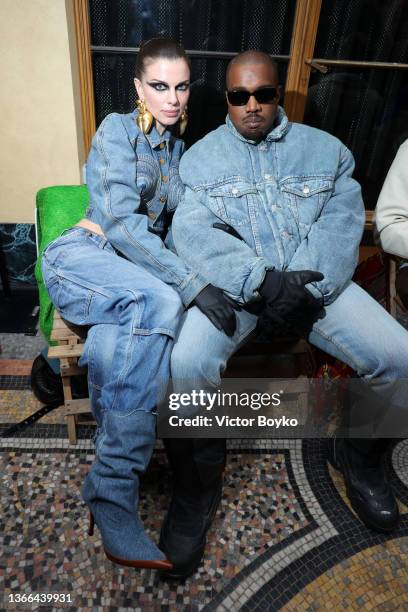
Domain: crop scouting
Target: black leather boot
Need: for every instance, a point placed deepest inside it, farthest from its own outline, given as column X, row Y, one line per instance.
column 369, row 493
column 197, row 472
column 45, row 383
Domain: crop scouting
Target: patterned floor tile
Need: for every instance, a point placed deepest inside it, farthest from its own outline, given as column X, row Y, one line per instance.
column 284, row 538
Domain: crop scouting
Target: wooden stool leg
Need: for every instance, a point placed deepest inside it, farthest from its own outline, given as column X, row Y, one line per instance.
column 70, row 339
column 66, row 384
column 72, row 433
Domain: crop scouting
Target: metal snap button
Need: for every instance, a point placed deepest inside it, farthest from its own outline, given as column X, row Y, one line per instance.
column 306, row 189
column 234, row 191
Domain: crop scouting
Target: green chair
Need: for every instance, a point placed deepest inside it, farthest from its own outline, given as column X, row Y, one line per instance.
column 57, row 209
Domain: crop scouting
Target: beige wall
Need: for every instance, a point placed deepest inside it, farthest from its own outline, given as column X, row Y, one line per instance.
column 40, row 125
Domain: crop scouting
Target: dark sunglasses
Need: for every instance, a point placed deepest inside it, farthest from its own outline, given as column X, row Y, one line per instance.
column 264, row 95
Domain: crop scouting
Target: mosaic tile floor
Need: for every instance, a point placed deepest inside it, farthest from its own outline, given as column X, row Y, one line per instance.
column 284, row 538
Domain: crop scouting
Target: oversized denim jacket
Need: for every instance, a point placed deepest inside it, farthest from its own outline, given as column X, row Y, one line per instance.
column 134, row 188
column 290, row 197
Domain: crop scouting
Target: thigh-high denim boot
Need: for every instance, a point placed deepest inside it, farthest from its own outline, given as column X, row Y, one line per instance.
column 123, row 450
column 91, row 285
column 111, row 488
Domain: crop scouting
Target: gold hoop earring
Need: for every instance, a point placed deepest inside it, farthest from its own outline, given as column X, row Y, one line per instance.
column 144, row 119
column 183, row 121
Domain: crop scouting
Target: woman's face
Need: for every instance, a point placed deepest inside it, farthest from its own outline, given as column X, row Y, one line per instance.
column 165, row 88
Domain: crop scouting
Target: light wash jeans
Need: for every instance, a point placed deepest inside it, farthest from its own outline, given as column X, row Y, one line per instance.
column 90, row 284
column 356, row 329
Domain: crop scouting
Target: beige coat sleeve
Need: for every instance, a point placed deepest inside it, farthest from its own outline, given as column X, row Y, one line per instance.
column 392, row 207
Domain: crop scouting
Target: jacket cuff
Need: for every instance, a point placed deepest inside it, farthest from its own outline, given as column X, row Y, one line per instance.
column 191, row 287
column 315, row 291
column 250, row 289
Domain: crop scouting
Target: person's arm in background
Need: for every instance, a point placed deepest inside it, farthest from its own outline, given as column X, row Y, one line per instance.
column 391, row 217
column 391, row 213
column 332, row 244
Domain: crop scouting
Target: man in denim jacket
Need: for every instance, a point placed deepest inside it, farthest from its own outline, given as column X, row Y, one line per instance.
column 272, row 216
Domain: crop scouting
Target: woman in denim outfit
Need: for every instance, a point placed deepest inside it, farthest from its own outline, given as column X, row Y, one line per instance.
column 114, row 271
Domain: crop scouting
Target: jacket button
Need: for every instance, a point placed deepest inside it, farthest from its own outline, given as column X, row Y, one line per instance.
column 163, row 199
column 306, row 189
column 234, row 191
column 161, row 160
column 152, row 216
column 162, row 145
column 165, row 179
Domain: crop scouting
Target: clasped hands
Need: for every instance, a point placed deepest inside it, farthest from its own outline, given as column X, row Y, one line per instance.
column 289, row 306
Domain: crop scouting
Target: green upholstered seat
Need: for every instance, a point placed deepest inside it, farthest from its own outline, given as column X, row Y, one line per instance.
column 58, row 208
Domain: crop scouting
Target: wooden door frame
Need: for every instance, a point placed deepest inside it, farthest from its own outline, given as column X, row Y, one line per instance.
column 83, row 46
column 302, row 47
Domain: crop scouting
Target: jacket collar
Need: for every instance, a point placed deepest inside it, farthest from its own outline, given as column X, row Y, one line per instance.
column 279, row 129
column 155, row 139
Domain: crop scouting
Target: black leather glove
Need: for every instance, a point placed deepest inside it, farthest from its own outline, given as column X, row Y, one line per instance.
column 285, row 292
column 289, row 305
column 218, row 307
column 272, row 324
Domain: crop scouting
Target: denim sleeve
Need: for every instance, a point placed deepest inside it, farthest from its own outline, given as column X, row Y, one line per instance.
column 332, row 244
column 111, row 179
column 224, row 261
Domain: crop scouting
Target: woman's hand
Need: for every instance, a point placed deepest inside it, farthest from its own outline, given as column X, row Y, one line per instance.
column 218, row 307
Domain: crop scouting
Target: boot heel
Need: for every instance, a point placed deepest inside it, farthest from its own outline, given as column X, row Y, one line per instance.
column 91, row 524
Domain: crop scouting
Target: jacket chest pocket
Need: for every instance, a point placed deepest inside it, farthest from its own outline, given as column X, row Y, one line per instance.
column 234, row 203
column 306, row 197
column 146, row 178
column 176, row 187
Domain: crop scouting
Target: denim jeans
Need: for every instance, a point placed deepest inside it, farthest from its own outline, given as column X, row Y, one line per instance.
column 355, row 329
column 133, row 317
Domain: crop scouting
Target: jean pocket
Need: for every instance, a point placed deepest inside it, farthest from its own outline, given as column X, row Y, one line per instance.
column 73, row 301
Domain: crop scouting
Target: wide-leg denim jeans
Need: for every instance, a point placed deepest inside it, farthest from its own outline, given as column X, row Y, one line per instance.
column 134, row 317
